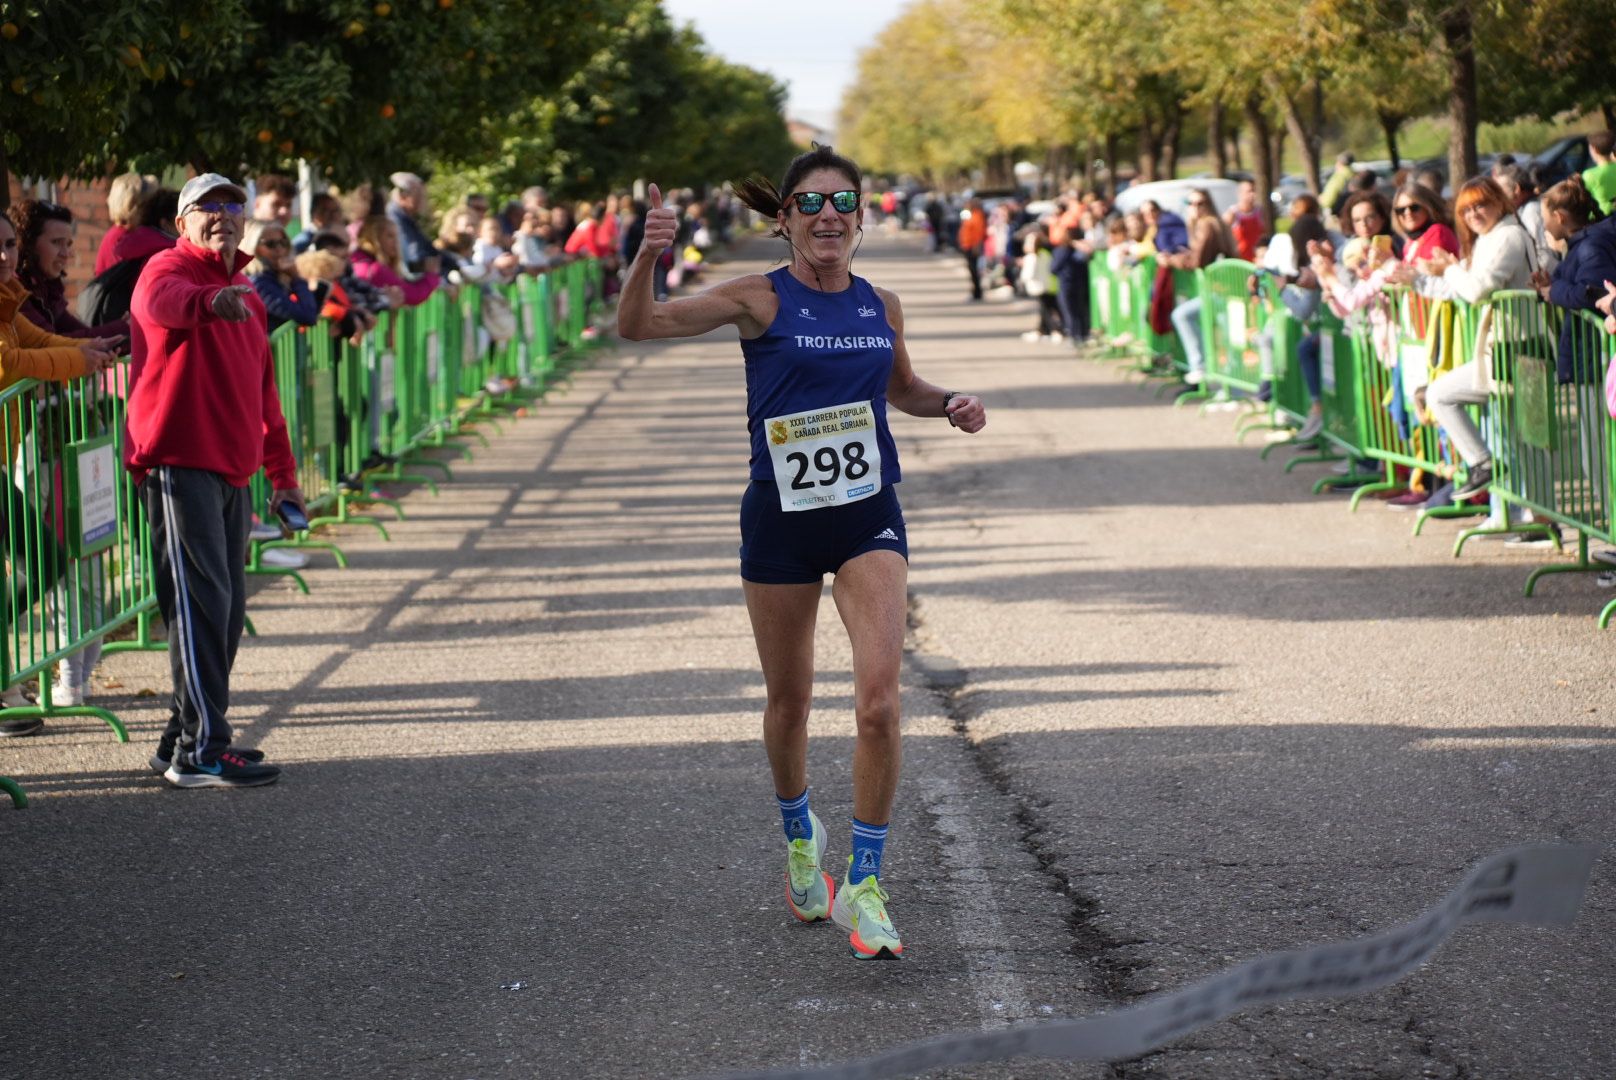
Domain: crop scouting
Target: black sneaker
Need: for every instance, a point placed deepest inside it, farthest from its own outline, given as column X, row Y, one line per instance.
column 160, row 761
column 230, row 769
column 15, row 729
column 1480, row 478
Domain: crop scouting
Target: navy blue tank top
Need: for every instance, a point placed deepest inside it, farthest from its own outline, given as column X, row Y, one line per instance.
column 822, row 350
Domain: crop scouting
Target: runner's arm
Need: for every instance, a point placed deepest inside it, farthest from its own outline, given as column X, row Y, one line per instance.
column 640, row 316
column 908, row 392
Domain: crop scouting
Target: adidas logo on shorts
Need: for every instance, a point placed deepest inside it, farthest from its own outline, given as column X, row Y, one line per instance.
column 886, row 534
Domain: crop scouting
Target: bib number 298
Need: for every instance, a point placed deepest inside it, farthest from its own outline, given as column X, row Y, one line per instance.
column 825, row 457
column 828, row 466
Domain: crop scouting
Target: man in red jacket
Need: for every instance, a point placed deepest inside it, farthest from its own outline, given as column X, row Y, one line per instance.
column 203, row 417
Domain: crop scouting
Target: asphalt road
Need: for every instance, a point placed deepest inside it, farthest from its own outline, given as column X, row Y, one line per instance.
column 1165, row 710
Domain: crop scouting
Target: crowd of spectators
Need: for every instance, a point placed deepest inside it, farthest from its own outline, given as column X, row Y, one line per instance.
column 1374, row 261
column 353, row 256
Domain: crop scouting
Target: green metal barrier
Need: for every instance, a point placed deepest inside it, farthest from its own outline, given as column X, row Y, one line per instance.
column 75, row 538
column 1147, row 353
column 1551, row 441
column 1344, row 428
column 1231, row 319
column 1289, row 403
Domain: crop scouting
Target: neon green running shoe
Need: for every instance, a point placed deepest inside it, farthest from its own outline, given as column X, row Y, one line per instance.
column 808, row 887
column 861, row 910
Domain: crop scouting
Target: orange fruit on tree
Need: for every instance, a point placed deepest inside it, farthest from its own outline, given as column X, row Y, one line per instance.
column 286, row 147
column 265, row 135
column 383, row 10
column 9, row 31
column 388, row 112
column 354, row 29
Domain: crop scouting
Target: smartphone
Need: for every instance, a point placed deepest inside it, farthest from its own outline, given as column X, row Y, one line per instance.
column 1382, row 243
column 292, row 516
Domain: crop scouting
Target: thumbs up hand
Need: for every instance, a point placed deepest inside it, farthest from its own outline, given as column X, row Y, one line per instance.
column 661, row 223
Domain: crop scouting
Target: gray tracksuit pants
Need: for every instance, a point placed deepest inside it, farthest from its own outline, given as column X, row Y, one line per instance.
column 199, row 525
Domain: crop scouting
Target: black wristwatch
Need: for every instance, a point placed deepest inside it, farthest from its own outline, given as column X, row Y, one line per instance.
column 947, row 397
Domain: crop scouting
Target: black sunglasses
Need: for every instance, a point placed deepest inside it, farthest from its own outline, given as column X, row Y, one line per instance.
column 1411, row 208
column 812, row 202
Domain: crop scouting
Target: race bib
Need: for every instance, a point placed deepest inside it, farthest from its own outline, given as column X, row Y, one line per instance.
column 825, row 457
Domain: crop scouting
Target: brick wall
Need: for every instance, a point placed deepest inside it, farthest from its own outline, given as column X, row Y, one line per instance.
column 88, row 202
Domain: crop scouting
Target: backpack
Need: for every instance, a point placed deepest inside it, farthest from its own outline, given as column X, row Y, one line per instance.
column 107, row 296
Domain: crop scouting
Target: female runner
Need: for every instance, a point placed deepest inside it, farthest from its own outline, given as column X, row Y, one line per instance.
column 825, row 356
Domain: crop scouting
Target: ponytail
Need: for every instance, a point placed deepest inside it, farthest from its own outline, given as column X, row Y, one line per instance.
column 1572, row 198
column 759, row 195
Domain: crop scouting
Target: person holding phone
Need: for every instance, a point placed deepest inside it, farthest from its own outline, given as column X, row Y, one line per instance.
column 44, row 253
column 203, row 417
column 825, row 356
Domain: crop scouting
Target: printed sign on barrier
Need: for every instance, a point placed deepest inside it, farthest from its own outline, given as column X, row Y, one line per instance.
column 468, row 336
column 1327, row 362
column 434, row 356
column 529, row 323
column 1237, row 324
column 1533, row 389
column 386, row 385
column 90, row 479
column 323, row 407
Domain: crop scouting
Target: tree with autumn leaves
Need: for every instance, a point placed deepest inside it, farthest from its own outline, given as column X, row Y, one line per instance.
column 1131, row 77
column 572, row 93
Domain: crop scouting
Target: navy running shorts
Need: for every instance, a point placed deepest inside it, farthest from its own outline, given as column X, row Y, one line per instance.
column 800, row 548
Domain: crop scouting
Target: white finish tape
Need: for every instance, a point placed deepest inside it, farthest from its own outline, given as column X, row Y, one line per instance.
column 1537, row 885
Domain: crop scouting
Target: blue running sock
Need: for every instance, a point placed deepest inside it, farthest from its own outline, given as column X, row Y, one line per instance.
column 794, row 815
column 869, row 841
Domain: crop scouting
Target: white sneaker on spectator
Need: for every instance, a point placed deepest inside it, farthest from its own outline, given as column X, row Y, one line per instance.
column 1311, row 429
column 263, row 531
column 1194, row 378
column 63, row 694
column 1607, row 580
column 283, row 558
column 1031, row 335
column 1057, row 337
column 1342, row 467
column 1607, row 555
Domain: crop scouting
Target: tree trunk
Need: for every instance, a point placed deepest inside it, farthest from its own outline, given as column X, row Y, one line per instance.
column 1458, row 31
column 1234, row 142
column 1390, row 123
column 1609, row 109
column 1170, row 137
column 1214, row 140
column 1297, row 127
column 1111, row 142
column 1257, row 120
column 1149, row 150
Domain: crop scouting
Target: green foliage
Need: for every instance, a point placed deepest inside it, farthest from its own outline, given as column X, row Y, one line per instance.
column 74, row 74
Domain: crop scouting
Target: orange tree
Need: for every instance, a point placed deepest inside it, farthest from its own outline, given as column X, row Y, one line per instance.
column 74, row 74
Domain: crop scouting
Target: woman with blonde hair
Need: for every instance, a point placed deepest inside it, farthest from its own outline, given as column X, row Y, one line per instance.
column 286, row 296
column 376, row 259
column 123, row 205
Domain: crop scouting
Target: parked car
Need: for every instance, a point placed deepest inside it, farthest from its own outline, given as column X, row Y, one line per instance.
column 1563, row 157
column 1173, row 194
column 1290, row 186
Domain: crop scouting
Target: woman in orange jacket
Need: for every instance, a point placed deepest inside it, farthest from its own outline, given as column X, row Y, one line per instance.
column 973, row 232
column 27, row 352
